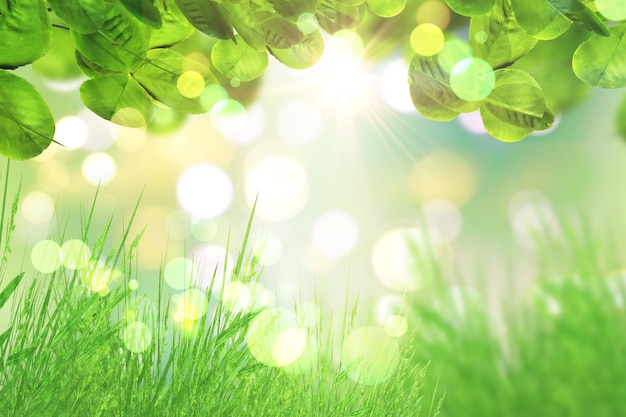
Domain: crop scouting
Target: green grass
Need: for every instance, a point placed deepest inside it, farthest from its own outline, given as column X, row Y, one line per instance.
column 554, row 348
column 79, row 346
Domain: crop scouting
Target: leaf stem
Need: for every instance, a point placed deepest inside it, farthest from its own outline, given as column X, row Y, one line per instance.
column 56, row 25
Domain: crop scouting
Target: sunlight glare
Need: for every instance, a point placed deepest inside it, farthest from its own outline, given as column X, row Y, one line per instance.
column 345, row 74
column 205, row 191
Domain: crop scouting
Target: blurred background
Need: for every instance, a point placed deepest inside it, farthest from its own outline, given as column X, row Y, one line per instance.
column 344, row 169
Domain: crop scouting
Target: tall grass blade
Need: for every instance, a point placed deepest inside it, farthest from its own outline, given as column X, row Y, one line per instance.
column 10, row 289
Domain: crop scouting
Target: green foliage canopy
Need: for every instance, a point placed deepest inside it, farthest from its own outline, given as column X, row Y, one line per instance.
column 524, row 60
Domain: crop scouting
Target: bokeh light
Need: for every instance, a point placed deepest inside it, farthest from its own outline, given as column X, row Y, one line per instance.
column 442, row 174
column 236, row 297
column 308, row 360
column 427, row 39
column 75, row 253
column 307, row 23
column 335, row 234
column 99, row 137
column 129, row 139
column 37, row 207
column 204, row 190
column 252, row 128
column 228, row 117
column 282, row 186
column 213, row 94
column 179, row 273
column 259, row 296
column 137, row 337
column 406, row 259
column 452, row 52
column 99, row 168
column 46, row 256
column 191, row 305
column 71, row 132
column 198, row 62
column 275, row 339
column 211, row 260
column 299, row 122
column 97, row 277
column 346, row 82
column 396, row 326
column 481, row 36
column 435, row 12
column 472, row 79
column 129, row 116
column 190, row 84
column 267, row 249
column 390, row 305
column 370, row 355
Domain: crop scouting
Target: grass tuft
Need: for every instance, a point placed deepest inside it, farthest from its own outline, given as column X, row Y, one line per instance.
column 80, row 342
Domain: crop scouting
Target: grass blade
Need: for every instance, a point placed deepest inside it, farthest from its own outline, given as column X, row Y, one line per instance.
column 10, row 289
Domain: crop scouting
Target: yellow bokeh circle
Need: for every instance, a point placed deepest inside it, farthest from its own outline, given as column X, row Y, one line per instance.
column 427, row 39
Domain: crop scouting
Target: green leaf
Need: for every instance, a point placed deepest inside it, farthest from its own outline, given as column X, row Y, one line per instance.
column 245, row 22
column 59, row 63
column 145, row 11
column 10, row 289
column 205, row 16
column 578, row 12
column 501, row 130
column 20, row 355
column 26, row 124
column 301, row 55
column 600, row 61
column 90, row 69
column 280, row 33
column 175, row 27
column 430, row 108
column 83, row 16
column 430, row 78
column 621, row 118
column 550, row 64
column 120, row 44
column 290, row 9
column 539, row 18
column 516, row 106
column 333, row 17
column 517, row 91
column 25, row 32
column 238, row 60
column 118, row 98
column 5, row 336
column 470, row 8
column 175, row 81
column 386, row 8
column 497, row 37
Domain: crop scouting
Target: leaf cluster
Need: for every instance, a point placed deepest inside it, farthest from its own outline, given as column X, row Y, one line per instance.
column 126, row 49
column 525, row 60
